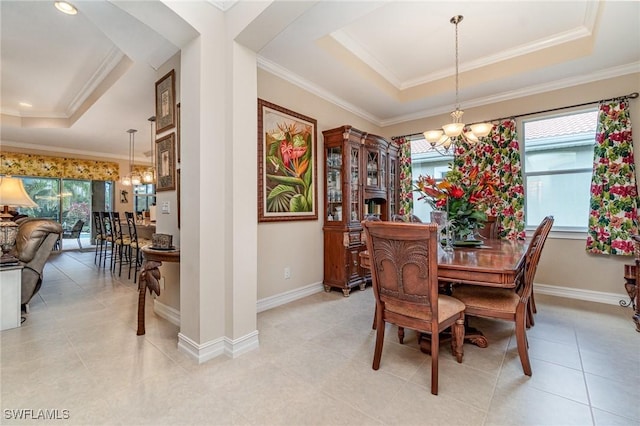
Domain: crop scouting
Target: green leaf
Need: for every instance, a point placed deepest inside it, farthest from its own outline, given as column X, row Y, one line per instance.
column 286, row 180
column 298, row 204
column 279, row 198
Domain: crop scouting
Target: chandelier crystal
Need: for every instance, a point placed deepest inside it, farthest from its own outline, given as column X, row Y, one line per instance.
column 453, row 133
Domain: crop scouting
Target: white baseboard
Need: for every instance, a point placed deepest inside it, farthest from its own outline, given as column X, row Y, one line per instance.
column 167, row 312
column 580, row 294
column 221, row 346
column 288, row 296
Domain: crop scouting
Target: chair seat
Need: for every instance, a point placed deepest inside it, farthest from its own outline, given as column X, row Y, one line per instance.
column 489, row 298
column 141, row 243
column 447, row 307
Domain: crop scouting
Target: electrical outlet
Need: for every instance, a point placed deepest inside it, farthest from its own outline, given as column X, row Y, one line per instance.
column 287, row 273
column 166, row 209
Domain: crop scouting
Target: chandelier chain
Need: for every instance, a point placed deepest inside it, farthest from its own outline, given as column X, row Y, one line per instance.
column 457, row 95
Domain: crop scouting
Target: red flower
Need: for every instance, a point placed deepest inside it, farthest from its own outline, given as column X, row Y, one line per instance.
column 456, row 191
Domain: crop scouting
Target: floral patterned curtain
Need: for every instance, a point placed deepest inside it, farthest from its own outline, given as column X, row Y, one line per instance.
column 499, row 153
column 406, row 184
column 613, row 218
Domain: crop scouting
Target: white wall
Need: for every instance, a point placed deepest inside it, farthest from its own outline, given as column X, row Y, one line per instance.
column 168, row 223
column 298, row 244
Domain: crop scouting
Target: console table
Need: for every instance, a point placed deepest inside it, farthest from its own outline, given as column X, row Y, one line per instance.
column 10, row 292
column 150, row 277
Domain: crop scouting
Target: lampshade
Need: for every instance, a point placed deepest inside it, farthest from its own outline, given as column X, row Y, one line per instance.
column 12, row 193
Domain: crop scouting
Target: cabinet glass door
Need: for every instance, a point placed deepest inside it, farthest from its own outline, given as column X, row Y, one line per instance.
column 373, row 168
column 334, row 184
column 354, row 171
column 383, row 169
column 393, row 208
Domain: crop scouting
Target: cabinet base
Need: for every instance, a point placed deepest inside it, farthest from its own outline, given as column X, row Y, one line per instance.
column 346, row 291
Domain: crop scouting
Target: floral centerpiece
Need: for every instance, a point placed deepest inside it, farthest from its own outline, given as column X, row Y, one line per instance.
column 464, row 197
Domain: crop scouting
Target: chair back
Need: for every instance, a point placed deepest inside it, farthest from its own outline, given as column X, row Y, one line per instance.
column 404, row 271
column 532, row 256
column 402, row 218
column 77, row 229
column 97, row 224
column 116, row 226
column 131, row 224
column 107, row 231
column 490, row 229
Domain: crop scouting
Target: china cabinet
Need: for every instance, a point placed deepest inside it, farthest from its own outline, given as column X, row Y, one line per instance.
column 361, row 179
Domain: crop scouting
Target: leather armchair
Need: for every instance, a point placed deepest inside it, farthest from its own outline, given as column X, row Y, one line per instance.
column 36, row 238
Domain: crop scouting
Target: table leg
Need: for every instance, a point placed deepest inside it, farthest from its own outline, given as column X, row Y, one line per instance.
column 142, row 288
column 471, row 335
column 149, row 278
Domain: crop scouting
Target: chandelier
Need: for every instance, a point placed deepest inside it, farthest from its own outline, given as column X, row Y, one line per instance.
column 453, row 133
column 148, row 176
column 133, row 178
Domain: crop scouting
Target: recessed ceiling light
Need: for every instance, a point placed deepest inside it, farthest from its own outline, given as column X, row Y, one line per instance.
column 25, row 104
column 65, row 7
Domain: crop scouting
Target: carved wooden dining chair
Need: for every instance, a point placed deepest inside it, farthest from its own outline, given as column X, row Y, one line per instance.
column 490, row 229
column 404, row 271
column 543, row 229
column 509, row 304
column 402, row 218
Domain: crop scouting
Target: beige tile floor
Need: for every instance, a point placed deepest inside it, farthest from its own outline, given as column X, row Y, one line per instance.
column 78, row 353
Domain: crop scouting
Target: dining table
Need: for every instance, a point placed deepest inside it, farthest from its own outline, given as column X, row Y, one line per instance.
column 493, row 263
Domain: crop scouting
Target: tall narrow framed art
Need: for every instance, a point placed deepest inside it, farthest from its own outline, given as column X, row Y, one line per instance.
column 165, row 102
column 287, row 166
column 166, row 163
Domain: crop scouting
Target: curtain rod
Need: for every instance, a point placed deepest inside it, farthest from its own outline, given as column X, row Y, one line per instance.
column 633, row 95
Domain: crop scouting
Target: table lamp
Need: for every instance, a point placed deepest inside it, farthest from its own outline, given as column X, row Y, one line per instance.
column 12, row 194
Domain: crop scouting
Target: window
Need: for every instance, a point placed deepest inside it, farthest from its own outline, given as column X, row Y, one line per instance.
column 426, row 162
column 45, row 192
column 558, row 161
column 145, row 197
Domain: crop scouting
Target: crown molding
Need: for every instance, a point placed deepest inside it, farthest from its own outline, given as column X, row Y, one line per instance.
column 585, row 30
column 109, row 63
column 61, row 151
column 577, row 80
column 223, row 5
column 295, row 79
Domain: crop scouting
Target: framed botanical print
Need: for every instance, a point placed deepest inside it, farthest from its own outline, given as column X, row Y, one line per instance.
column 166, row 163
column 165, row 102
column 287, row 169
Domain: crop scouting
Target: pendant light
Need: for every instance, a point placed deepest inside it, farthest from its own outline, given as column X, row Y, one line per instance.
column 133, row 178
column 451, row 134
column 149, row 175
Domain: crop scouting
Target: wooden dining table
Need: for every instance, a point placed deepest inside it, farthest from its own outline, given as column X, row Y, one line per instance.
column 495, row 263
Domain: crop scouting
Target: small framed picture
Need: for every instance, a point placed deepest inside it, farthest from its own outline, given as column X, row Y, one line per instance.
column 166, row 163
column 165, row 102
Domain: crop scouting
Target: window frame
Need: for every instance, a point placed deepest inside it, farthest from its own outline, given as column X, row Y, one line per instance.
column 563, row 141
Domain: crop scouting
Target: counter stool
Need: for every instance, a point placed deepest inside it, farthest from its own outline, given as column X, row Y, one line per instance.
column 134, row 244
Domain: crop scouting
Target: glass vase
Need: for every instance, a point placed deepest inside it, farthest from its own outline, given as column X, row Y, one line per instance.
column 440, row 218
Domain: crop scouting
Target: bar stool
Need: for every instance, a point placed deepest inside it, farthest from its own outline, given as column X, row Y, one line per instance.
column 135, row 244
column 107, row 235
column 99, row 236
column 121, row 243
